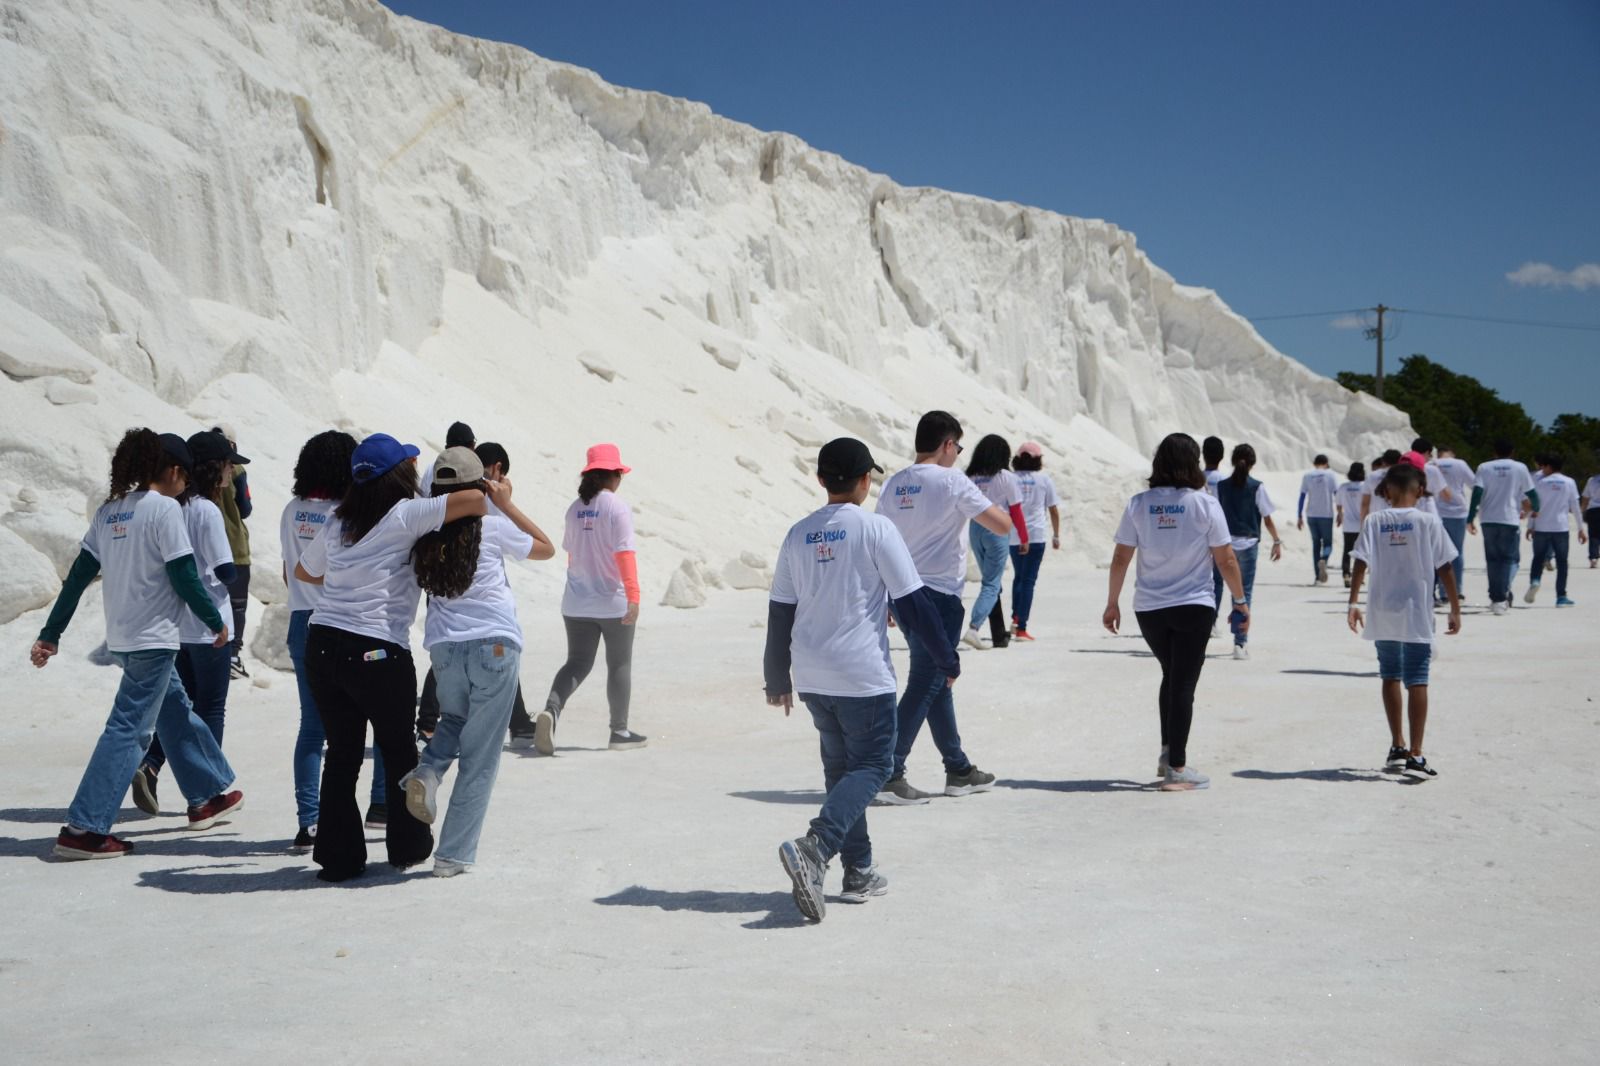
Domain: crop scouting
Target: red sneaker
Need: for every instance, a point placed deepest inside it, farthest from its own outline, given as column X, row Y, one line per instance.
column 1022, row 634
column 213, row 810
column 70, row 845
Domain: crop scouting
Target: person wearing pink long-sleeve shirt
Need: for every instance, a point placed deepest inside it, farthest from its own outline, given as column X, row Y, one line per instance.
column 989, row 471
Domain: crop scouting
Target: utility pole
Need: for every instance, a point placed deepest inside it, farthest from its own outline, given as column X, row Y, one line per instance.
column 1377, row 334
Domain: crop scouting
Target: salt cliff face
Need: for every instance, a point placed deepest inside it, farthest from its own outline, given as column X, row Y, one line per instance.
column 290, row 214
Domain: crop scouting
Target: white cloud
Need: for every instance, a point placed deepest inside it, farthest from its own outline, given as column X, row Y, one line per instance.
column 1350, row 322
column 1583, row 276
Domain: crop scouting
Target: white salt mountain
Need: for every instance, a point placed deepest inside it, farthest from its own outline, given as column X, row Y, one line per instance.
column 291, row 214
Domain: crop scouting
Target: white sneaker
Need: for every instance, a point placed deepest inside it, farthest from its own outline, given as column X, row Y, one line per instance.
column 519, row 742
column 1241, row 653
column 1532, row 593
column 544, row 731
column 971, row 640
column 1162, row 766
column 1186, row 780
column 421, row 788
column 1499, row 607
column 449, row 867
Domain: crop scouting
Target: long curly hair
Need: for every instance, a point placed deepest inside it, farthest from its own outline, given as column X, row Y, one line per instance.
column 139, row 460
column 205, row 481
column 446, row 559
column 366, row 502
column 323, row 469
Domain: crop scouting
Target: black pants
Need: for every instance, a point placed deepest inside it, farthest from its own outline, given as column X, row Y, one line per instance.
column 239, row 598
column 355, row 680
column 1178, row 636
column 1592, row 517
column 1349, row 546
column 428, row 710
column 999, row 635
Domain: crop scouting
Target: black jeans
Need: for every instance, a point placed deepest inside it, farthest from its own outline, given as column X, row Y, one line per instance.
column 355, row 680
column 1349, row 546
column 999, row 635
column 428, row 709
column 1592, row 517
column 239, row 598
column 1178, row 636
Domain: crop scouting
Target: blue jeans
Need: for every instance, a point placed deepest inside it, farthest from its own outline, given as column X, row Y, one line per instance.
column 1502, row 551
column 990, row 550
column 1247, row 577
column 1027, row 575
column 857, row 736
column 1404, row 662
column 1456, row 530
column 1546, row 545
column 150, row 699
column 308, row 742
column 477, row 684
column 1321, row 540
column 203, row 670
column 928, row 698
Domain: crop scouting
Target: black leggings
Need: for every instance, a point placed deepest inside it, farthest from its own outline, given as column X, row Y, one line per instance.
column 1349, row 546
column 239, row 599
column 583, row 641
column 1178, row 636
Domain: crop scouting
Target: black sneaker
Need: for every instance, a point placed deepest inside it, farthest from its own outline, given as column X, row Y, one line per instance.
column 626, row 741
column 377, row 816
column 1397, row 759
column 520, row 741
column 236, row 668
column 974, row 780
column 1419, row 765
column 304, row 840
column 802, row 860
column 144, row 790
column 860, row 885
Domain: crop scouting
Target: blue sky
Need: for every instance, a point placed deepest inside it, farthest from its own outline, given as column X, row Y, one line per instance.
column 1295, row 157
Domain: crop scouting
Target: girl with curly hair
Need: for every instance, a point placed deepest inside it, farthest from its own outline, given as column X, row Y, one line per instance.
column 475, row 642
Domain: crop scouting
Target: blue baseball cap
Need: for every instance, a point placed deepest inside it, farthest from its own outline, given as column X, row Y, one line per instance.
column 379, row 454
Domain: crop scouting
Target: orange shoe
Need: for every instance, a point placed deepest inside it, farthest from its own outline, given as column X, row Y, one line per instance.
column 1022, row 634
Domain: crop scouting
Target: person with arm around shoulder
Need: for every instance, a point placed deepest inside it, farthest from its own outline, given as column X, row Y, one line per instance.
column 1178, row 534
column 838, row 571
column 1247, row 507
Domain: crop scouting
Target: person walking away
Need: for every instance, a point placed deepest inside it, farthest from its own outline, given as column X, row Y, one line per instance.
column 202, row 667
column 1179, row 536
column 988, row 470
column 496, row 465
column 236, row 506
column 1499, row 489
column 601, row 600
column 475, row 642
column 838, row 570
column 1247, row 506
column 1212, row 451
column 1590, row 501
column 137, row 542
column 1318, row 489
column 1451, row 503
column 1406, row 550
column 930, row 504
column 1549, row 530
column 459, row 435
column 358, row 650
column 1374, row 482
column 1348, row 513
column 1039, row 498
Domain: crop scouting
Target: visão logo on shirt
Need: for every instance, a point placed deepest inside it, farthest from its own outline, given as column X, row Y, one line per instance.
column 588, row 518
column 1397, row 532
column 903, row 496
column 118, row 521
column 308, row 524
column 824, row 539
column 1166, row 514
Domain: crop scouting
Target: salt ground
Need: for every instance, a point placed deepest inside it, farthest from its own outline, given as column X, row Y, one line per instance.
column 630, row 907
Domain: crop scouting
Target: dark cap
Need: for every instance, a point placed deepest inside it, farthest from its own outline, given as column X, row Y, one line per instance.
column 845, row 457
column 210, row 444
column 177, row 450
column 459, row 435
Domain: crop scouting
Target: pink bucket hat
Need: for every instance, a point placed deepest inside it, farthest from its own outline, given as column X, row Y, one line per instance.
column 1416, row 459
column 1030, row 447
column 604, row 457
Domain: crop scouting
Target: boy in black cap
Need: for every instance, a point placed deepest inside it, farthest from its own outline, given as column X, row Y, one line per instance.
column 837, row 571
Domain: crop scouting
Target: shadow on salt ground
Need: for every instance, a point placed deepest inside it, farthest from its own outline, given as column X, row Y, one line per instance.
column 1344, row 773
column 1112, row 651
column 59, row 815
column 533, row 753
column 1333, row 673
column 779, row 906
column 236, row 877
column 811, row 797
column 1079, row 786
column 193, row 845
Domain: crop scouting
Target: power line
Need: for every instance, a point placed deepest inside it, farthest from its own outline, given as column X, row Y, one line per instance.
column 1585, row 327
column 1308, row 314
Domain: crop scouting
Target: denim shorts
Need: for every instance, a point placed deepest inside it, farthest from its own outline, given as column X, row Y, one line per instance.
column 1404, row 662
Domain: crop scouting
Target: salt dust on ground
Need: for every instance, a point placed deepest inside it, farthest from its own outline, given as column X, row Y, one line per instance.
column 629, row 907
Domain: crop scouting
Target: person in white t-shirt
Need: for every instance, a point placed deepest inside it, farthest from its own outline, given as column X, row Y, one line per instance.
column 1375, row 476
column 930, row 503
column 459, row 435
column 203, row 669
column 321, row 478
column 359, row 647
column 1451, row 502
column 1590, row 501
column 988, row 470
column 1318, row 489
column 1347, row 513
column 601, row 601
column 838, row 570
column 1213, row 452
column 1503, row 491
column 1550, row 527
column 1406, row 551
column 1039, row 499
column 475, row 643
column 1248, row 507
column 138, row 543
column 1179, row 535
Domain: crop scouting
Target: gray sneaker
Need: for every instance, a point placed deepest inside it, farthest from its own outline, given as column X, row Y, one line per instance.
column 1186, row 780
column 802, row 860
column 859, row 885
column 1532, row 593
column 974, row 780
column 421, row 787
column 144, row 790
column 544, row 732
column 898, row 792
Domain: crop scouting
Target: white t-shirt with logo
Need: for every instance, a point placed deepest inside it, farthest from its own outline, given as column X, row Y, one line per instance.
column 1504, row 483
column 487, row 609
column 840, row 566
column 1319, row 488
column 930, row 505
column 208, row 535
column 1038, row 496
column 134, row 538
column 1591, row 491
column 301, row 523
column 1433, row 478
column 1350, row 500
column 1403, row 549
column 594, row 533
column 1001, row 488
column 1212, row 477
column 1558, row 498
column 1458, row 478
column 1174, row 531
column 369, row 587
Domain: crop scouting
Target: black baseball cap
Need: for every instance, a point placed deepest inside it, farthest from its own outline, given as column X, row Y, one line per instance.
column 459, row 435
column 845, row 457
column 177, row 450
column 210, row 444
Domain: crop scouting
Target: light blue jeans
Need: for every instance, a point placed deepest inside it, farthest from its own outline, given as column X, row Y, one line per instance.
column 477, row 682
column 149, row 700
column 1247, row 576
column 308, row 742
column 991, row 550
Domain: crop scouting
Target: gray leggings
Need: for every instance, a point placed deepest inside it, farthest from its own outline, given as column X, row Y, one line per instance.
column 583, row 640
